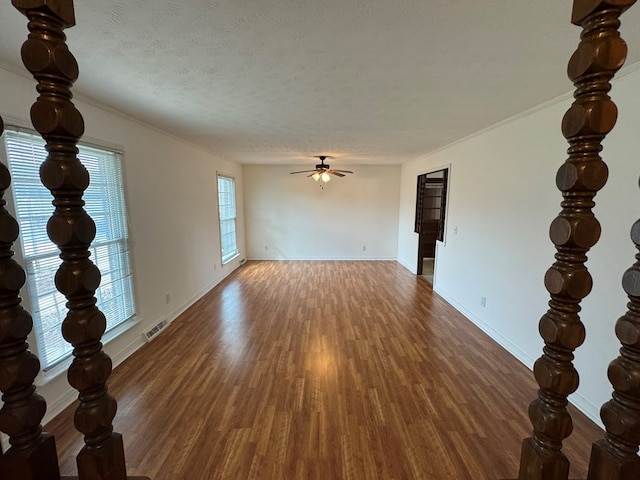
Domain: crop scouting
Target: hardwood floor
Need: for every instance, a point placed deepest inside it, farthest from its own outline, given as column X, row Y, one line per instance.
column 323, row 370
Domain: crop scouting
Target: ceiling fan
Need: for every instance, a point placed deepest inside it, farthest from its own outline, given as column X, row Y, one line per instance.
column 323, row 171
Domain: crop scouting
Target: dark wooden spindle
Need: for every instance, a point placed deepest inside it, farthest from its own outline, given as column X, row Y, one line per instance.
column 600, row 54
column 32, row 455
column 616, row 456
column 46, row 56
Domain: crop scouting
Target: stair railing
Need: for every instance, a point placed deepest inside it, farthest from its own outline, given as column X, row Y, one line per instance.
column 32, row 455
column 600, row 54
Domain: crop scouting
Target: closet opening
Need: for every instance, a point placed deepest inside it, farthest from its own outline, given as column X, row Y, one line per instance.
column 431, row 203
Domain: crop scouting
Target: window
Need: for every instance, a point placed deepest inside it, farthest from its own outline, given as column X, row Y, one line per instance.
column 227, row 209
column 109, row 251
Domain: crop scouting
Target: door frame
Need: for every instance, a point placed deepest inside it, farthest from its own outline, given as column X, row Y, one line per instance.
column 445, row 219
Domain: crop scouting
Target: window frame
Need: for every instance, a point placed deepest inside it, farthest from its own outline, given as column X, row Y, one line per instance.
column 234, row 253
column 106, row 196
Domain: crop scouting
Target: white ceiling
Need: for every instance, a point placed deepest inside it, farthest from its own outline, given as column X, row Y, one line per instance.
column 276, row 81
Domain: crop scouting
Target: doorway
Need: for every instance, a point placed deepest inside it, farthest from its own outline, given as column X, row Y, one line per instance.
column 431, row 202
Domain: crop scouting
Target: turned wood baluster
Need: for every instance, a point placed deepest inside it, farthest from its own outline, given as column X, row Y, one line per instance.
column 32, row 455
column 600, row 54
column 616, row 456
column 46, row 56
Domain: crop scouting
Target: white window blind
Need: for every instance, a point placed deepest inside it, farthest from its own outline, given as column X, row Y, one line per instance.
column 109, row 251
column 227, row 208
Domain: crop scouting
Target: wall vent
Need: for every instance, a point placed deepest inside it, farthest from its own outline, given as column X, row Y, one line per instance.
column 155, row 330
column 243, row 261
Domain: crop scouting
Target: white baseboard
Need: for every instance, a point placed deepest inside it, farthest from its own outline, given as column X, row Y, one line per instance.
column 326, row 259
column 175, row 313
column 69, row 395
column 408, row 267
column 64, row 395
column 126, row 351
column 56, row 407
column 577, row 400
column 202, row 292
column 586, row 407
column 496, row 336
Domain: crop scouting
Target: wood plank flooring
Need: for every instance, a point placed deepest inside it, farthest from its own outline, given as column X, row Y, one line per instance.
column 322, row 370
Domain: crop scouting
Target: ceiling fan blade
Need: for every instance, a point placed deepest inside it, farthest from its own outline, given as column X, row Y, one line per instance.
column 302, row 171
column 343, row 171
column 335, row 172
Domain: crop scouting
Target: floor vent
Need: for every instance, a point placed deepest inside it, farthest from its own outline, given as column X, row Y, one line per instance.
column 157, row 328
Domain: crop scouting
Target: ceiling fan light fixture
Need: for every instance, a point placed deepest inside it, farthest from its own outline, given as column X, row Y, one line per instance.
column 323, row 171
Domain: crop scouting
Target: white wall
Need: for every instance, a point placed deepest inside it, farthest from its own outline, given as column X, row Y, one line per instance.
column 291, row 217
column 502, row 198
column 172, row 205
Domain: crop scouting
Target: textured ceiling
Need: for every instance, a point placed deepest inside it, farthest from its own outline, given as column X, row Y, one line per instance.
column 275, row 81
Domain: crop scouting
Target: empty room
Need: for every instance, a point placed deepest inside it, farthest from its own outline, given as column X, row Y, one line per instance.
column 319, row 240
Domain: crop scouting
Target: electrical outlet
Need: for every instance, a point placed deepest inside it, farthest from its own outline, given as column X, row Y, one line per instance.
column 266, row 247
column 364, row 248
column 167, row 297
column 483, row 301
column 455, row 230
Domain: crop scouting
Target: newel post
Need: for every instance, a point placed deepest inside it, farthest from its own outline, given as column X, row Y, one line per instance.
column 55, row 117
column 32, row 455
column 600, row 54
column 616, row 456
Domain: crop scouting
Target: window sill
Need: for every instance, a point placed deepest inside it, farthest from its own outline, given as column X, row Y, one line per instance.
column 63, row 365
column 226, row 262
